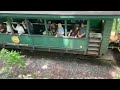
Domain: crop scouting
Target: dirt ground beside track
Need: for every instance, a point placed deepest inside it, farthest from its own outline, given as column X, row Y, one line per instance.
column 48, row 65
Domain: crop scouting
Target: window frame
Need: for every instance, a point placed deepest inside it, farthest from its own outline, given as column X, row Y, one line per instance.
column 46, row 28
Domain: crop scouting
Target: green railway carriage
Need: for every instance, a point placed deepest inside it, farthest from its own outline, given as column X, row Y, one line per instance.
column 98, row 27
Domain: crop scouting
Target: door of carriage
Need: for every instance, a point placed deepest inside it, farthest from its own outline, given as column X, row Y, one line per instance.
column 95, row 37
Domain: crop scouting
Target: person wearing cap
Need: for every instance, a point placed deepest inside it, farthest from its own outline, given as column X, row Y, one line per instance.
column 82, row 31
column 60, row 30
column 19, row 28
column 74, row 32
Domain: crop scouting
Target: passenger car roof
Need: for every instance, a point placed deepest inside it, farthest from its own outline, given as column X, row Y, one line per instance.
column 63, row 12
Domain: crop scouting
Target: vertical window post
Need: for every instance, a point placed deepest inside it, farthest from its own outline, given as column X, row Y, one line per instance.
column 87, row 34
column 10, row 20
column 65, row 27
column 45, row 22
column 27, row 26
column 88, row 27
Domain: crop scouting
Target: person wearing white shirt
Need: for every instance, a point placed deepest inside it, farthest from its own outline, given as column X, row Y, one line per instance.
column 9, row 28
column 19, row 28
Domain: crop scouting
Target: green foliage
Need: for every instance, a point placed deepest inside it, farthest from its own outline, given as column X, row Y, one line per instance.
column 116, row 24
column 118, row 76
column 10, row 59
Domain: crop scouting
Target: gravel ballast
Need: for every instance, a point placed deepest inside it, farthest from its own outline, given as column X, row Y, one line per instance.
column 48, row 65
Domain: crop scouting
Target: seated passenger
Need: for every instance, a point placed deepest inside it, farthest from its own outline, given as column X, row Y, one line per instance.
column 30, row 26
column 19, row 28
column 24, row 26
column 60, row 30
column 2, row 28
column 49, row 27
column 74, row 32
column 82, row 31
column 9, row 28
column 53, row 29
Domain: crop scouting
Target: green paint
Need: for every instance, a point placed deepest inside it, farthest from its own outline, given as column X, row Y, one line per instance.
column 62, row 43
column 24, row 39
column 106, row 36
column 95, row 23
column 47, row 41
column 58, row 42
column 87, row 34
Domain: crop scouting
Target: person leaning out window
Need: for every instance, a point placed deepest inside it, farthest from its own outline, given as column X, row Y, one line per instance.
column 19, row 29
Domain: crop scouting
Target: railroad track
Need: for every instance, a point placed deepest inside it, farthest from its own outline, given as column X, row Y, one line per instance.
column 72, row 57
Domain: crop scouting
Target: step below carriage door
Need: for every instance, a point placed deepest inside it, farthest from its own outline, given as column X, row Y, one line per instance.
column 95, row 37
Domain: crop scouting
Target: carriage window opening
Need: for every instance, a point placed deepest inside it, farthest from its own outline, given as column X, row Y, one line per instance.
column 76, row 28
column 56, row 28
column 18, row 26
column 38, row 26
column 6, row 26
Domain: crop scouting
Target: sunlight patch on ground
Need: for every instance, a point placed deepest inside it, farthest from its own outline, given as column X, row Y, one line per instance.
column 115, row 72
column 44, row 67
column 28, row 76
column 28, row 62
